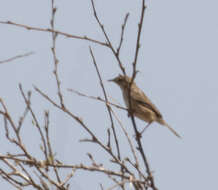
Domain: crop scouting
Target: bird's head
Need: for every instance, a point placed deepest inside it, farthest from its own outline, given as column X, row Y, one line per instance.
column 122, row 81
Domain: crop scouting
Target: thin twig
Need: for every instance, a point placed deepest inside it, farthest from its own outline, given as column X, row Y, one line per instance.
column 22, row 118
column 137, row 133
column 53, row 49
column 58, row 83
column 80, row 121
column 136, row 165
column 56, row 31
column 138, row 40
column 108, row 39
column 36, row 123
column 75, row 167
column 16, row 57
column 107, row 105
column 122, row 33
column 96, row 98
column 18, row 140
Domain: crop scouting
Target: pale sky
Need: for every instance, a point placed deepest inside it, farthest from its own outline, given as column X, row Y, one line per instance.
column 178, row 71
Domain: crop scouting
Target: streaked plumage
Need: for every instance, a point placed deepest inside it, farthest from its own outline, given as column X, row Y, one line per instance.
column 141, row 106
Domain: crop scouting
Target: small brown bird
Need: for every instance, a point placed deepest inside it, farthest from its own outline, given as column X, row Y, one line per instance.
column 141, row 106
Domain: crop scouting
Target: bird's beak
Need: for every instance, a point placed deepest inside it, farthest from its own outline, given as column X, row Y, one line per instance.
column 111, row 80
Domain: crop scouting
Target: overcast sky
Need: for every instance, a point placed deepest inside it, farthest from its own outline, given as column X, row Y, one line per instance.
column 178, row 64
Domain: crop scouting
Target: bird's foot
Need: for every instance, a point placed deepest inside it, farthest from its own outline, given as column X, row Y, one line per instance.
column 145, row 128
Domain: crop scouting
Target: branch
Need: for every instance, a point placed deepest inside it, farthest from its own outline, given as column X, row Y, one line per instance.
column 122, row 33
column 138, row 39
column 83, row 125
column 16, row 57
column 56, row 31
column 107, row 38
column 96, row 98
column 106, row 103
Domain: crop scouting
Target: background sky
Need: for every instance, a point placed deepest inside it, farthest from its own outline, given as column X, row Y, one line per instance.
column 178, row 71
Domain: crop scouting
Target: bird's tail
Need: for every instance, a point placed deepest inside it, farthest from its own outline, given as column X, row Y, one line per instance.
column 161, row 121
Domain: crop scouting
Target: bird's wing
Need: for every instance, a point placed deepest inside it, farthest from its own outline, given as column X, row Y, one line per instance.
column 139, row 96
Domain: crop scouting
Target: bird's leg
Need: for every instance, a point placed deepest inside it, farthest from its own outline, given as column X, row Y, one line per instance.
column 145, row 127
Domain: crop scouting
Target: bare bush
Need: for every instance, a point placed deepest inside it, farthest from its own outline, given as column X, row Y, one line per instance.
column 25, row 169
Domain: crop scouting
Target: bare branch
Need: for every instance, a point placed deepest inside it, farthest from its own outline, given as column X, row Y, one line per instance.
column 96, row 98
column 53, row 49
column 82, row 124
column 122, row 33
column 37, row 125
column 107, row 105
column 25, row 169
column 16, row 57
column 136, row 165
column 138, row 40
column 107, row 38
column 55, row 31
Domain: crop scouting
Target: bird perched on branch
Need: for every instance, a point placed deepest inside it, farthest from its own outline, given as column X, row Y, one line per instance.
column 141, row 106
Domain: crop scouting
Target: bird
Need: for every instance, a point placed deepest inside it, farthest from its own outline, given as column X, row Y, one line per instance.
column 141, row 105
